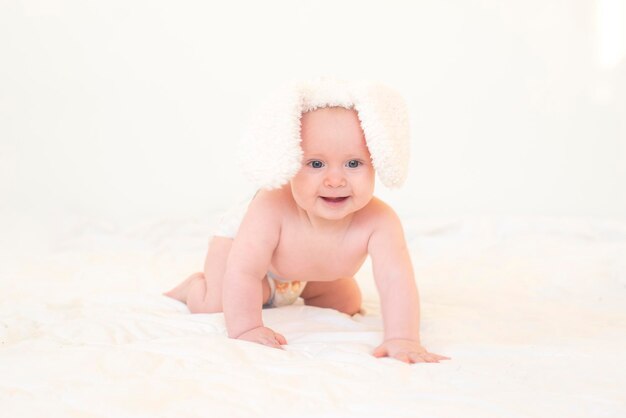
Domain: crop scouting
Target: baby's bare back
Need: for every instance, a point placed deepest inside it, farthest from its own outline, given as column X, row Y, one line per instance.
column 312, row 253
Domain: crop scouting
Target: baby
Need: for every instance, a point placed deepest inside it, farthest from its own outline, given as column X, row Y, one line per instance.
column 314, row 152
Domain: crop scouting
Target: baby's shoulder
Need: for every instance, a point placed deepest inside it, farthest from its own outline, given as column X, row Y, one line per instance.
column 270, row 202
column 263, row 216
column 377, row 214
column 377, row 209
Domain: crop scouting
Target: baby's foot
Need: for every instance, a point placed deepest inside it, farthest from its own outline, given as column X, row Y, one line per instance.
column 180, row 292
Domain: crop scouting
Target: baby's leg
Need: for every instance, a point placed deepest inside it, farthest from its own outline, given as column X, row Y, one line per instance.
column 205, row 292
column 202, row 292
column 343, row 295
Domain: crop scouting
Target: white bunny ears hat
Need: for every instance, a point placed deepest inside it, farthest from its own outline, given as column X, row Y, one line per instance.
column 270, row 149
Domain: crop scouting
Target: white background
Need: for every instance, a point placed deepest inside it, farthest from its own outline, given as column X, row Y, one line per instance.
column 126, row 110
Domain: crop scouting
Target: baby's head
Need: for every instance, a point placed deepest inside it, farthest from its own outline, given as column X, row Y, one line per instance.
column 282, row 131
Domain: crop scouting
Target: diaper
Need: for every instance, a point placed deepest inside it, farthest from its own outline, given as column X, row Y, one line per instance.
column 283, row 292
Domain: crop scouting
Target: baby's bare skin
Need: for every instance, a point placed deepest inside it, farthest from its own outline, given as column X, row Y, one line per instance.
column 319, row 228
column 308, row 253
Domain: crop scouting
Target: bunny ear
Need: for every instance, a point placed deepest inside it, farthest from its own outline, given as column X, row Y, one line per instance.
column 385, row 122
column 270, row 150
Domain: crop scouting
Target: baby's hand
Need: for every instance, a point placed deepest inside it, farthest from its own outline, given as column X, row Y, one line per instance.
column 408, row 351
column 265, row 336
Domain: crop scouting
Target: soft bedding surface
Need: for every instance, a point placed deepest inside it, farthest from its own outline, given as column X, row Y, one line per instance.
column 531, row 310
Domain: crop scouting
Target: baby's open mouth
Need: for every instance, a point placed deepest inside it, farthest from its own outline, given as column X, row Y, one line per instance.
column 334, row 199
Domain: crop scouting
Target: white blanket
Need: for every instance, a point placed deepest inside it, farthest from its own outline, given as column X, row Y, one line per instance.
column 532, row 312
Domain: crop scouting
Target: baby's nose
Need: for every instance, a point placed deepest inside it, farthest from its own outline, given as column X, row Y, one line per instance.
column 335, row 178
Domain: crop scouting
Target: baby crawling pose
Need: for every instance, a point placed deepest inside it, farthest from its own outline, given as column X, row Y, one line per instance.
column 309, row 236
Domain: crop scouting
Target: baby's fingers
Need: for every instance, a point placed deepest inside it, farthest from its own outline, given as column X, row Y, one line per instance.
column 406, row 358
column 440, row 357
column 280, row 338
column 270, row 341
column 416, row 358
column 430, row 358
column 276, row 341
column 380, row 351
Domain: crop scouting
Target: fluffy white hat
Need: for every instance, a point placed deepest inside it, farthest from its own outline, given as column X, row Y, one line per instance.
column 270, row 150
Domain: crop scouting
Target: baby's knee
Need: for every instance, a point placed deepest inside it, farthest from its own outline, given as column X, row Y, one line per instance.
column 198, row 300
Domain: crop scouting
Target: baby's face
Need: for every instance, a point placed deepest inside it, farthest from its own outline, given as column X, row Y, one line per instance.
column 337, row 177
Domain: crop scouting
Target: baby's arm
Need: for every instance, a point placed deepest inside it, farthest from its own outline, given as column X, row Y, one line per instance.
column 395, row 280
column 246, row 267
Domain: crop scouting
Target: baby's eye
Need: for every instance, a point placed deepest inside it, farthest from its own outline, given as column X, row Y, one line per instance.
column 354, row 163
column 316, row 164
